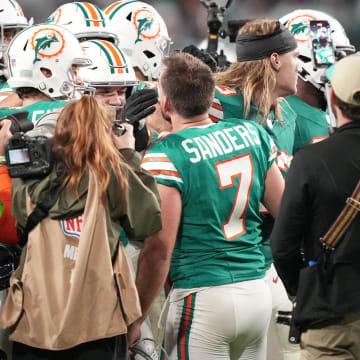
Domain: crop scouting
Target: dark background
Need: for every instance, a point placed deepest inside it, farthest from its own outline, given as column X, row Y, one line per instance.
column 187, row 19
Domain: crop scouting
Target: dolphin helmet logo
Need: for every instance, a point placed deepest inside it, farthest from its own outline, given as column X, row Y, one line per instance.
column 54, row 18
column 146, row 24
column 47, row 43
column 299, row 27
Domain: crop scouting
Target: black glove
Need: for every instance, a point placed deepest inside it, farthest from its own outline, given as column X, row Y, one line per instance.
column 19, row 122
column 138, row 106
column 141, row 139
column 201, row 55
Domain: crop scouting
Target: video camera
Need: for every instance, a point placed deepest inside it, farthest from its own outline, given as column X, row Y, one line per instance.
column 28, row 157
column 216, row 29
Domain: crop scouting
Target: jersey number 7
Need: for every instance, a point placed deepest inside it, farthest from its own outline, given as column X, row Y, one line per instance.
column 227, row 170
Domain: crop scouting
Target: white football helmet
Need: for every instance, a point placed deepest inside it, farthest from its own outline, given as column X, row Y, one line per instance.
column 43, row 57
column 11, row 17
column 142, row 35
column 110, row 66
column 86, row 21
column 298, row 22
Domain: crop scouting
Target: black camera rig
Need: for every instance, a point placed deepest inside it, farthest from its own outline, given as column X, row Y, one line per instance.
column 28, row 157
column 217, row 29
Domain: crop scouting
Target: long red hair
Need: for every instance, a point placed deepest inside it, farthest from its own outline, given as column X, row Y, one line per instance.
column 83, row 141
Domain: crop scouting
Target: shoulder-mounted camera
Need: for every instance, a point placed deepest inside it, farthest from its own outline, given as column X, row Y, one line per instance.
column 28, row 157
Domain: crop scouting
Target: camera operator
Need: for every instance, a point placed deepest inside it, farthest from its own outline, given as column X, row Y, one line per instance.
column 76, row 304
column 320, row 181
column 50, row 75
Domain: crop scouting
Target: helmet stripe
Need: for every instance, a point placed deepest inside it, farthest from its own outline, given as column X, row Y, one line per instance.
column 110, row 7
column 107, row 54
column 81, row 7
column 124, row 62
column 9, row 62
column 93, row 13
column 101, row 15
column 12, row 3
column 89, row 13
column 16, row 6
column 115, row 53
column 119, row 7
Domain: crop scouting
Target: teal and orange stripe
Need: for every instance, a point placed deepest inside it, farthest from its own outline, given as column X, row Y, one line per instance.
column 16, row 6
column 91, row 12
column 113, row 55
column 114, row 8
column 118, row 57
column 185, row 327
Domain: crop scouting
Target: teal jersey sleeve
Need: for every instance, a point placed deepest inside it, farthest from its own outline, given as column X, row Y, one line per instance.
column 219, row 171
column 312, row 124
column 36, row 110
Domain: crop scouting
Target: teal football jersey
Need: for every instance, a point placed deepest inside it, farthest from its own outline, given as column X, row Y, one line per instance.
column 312, row 124
column 5, row 89
column 219, row 170
column 229, row 103
column 36, row 110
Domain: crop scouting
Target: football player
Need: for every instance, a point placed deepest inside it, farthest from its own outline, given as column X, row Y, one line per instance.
column 12, row 20
column 211, row 179
column 309, row 103
column 144, row 37
column 253, row 88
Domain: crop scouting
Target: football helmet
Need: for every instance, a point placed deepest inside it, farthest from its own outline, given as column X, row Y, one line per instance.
column 44, row 57
column 110, row 66
column 11, row 17
column 86, row 21
column 298, row 22
column 142, row 35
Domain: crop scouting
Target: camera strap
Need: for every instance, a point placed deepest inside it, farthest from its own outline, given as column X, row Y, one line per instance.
column 343, row 221
column 42, row 209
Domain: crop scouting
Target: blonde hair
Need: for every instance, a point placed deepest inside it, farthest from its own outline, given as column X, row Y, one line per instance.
column 82, row 140
column 255, row 79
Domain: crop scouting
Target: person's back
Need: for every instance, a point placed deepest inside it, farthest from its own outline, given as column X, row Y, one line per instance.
column 220, row 172
column 327, row 162
column 324, row 276
column 100, row 192
column 211, row 178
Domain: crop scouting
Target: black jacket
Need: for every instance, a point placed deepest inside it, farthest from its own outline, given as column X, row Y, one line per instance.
column 318, row 182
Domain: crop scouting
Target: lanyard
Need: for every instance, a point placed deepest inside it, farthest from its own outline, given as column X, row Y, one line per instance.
column 343, row 221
